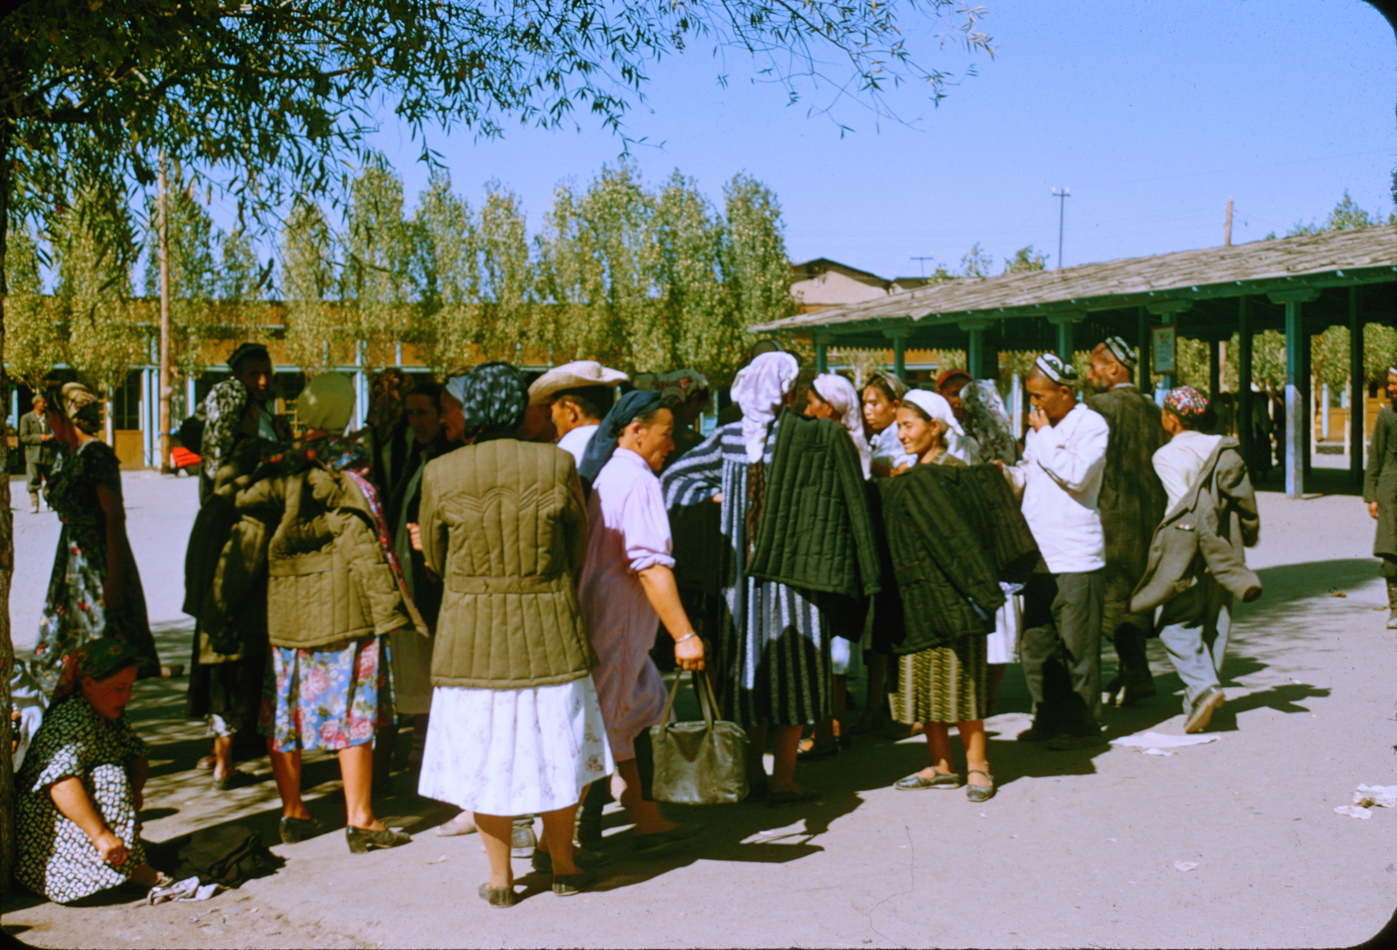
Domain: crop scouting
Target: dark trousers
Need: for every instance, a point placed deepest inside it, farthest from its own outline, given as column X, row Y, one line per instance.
column 1061, row 651
column 38, row 475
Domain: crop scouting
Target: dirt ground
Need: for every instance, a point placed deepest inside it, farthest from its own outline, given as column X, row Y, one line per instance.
column 1230, row 844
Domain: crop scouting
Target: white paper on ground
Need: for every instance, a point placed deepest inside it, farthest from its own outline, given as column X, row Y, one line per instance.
column 1383, row 796
column 1150, row 740
column 1185, row 865
column 1353, row 811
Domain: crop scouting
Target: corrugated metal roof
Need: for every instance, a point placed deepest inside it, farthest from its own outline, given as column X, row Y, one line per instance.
column 1213, row 271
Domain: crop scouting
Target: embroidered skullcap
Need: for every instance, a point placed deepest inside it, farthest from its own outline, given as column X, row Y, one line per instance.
column 1185, row 402
column 76, row 397
column 602, row 445
column 98, row 659
column 688, row 381
column 951, row 374
column 839, row 393
column 1122, row 351
column 493, row 397
column 759, row 388
column 245, row 350
column 1056, row 369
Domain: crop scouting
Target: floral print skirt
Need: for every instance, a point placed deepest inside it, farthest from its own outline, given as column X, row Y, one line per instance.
column 57, row 859
column 514, row 751
column 331, row 698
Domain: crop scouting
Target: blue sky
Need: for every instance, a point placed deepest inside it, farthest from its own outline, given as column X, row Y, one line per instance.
column 1153, row 114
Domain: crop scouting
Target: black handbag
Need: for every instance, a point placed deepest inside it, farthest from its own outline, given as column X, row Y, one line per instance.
column 693, row 763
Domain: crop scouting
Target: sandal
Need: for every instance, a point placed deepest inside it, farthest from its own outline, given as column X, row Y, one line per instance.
column 810, row 749
column 979, row 793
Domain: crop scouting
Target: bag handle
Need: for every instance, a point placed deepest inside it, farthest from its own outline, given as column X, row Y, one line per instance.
column 703, row 689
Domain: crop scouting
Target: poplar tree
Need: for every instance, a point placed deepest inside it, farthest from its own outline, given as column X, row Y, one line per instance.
column 310, row 291
column 444, row 273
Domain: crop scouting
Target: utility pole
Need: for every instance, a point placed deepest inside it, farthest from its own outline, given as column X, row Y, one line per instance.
column 164, row 400
column 1061, row 194
column 1227, row 226
column 921, row 263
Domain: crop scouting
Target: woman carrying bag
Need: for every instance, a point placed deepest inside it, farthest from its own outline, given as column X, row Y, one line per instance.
column 627, row 587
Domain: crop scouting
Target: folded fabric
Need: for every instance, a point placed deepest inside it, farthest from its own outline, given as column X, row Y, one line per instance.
column 1159, row 740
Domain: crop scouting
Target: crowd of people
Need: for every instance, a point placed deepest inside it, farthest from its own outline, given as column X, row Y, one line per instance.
column 502, row 567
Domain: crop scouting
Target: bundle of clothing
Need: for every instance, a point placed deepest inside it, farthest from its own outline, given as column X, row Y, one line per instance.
column 954, row 534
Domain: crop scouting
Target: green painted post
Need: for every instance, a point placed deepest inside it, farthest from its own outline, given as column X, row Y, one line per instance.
column 1358, row 391
column 1142, row 333
column 1244, row 393
column 975, row 353
column 1064, row 340
column 821, row 353
column 900, row 356
column 1214, row 368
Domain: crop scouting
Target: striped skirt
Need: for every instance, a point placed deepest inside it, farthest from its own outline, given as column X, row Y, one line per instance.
column 771, row 656
column 943, row 684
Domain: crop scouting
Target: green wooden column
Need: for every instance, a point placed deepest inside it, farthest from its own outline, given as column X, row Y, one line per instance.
column 977, row 358
column 1142, row 332
column 1167, row 311
column 1358, row 392
column 821, row 353
column 1214, row 368
column 1066, row 324
column 1297, row 384
column 1244, row 393
column 899, row 341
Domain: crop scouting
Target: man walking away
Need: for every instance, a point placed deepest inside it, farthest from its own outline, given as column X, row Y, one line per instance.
column 1212, row 513
column 1132, row 505
column 1380, row 492
column 39, row 449
column 578, row 395
column 1061, row 475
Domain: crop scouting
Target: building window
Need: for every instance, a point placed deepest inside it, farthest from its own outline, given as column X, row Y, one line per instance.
column 126, row 403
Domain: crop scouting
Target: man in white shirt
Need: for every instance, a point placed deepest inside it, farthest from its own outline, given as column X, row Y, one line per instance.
column 1061, row 473
column 578, row 395
column 1194, row 625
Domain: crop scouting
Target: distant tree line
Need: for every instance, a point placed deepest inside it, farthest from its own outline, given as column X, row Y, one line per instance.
column 639, row 276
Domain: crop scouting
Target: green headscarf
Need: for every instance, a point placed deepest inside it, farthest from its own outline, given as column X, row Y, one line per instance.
column 99, row 659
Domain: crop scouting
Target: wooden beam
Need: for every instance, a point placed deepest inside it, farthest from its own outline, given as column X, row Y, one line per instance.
column 975, row 355
column 1214, row 368
column 1244, row 393
column 899, row 338
column 1142, row 334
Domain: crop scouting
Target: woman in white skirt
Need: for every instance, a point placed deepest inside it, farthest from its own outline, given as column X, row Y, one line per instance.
column 516, row 727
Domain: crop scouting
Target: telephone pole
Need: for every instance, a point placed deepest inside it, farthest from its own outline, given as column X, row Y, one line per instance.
column 1061, row 194
column 164, row 401
column 1227, row 226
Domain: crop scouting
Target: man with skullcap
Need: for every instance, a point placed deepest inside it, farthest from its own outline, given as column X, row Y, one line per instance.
column 1060, row 475
column 1211, row 518
column 1131, row 505
column 1380, row 491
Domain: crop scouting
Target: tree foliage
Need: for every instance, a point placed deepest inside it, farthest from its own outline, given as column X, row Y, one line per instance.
column 37, row 342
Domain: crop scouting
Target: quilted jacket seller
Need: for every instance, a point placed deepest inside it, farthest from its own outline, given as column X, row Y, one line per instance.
column 311, row 533
column 1206, row 531
column 941, row 545
column 815, row 531
column 504, row 524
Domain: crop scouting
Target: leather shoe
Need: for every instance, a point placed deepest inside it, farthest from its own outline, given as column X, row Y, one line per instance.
column 363, row 840
column 1201, row 712
column 565, row 885
column 296, row 830
column 497, row 896
column 522, row 840
column 915, row 782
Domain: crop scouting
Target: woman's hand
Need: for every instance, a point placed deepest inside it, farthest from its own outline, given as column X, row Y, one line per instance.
column 1373, row 510
column 110, row 847
column 689, row 655
column 414, row 533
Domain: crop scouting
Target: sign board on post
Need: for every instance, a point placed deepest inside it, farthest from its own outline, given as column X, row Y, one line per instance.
column 1162, row 349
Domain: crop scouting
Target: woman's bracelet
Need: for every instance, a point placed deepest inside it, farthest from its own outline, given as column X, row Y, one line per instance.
column 691, row 633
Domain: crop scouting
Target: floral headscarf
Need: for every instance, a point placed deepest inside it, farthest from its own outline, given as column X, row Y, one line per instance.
column 223, row 415
column 988, row 422
column 98, row 659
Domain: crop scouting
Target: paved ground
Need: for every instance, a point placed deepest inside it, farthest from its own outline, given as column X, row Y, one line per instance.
column 1078, row 849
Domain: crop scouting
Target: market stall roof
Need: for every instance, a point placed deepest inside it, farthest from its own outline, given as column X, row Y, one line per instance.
column 1108, row 294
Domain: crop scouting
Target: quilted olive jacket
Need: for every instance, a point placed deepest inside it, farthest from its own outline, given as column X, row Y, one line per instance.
column 311, row 534
column 815, row 531
column 504, row 525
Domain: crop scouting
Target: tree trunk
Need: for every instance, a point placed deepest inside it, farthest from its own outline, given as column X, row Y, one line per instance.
column 7, row 545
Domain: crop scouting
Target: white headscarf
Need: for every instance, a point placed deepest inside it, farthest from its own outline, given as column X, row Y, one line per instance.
column 840, row 393
column 936, row 406
column 759, row 389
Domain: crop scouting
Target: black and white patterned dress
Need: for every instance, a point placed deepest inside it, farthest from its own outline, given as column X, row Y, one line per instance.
column 56, row 858
column 771, row 651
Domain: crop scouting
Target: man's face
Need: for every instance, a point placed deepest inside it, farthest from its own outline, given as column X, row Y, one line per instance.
column 256, row 374
column 1392, row 385
column 41, row 407
column 1055, row 401
column 423, row 418
column 538, row 424
column 566, row 416
column 1104, row 370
